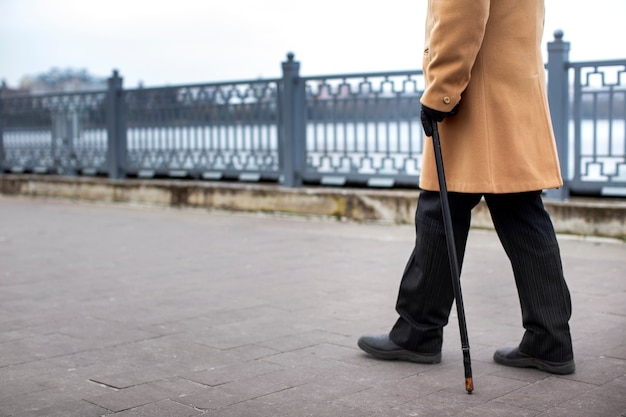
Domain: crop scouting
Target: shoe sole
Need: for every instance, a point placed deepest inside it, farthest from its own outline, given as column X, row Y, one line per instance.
column 559, row 368
column 402, row 355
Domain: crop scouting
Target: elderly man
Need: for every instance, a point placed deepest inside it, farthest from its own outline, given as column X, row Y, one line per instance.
column 485, row 83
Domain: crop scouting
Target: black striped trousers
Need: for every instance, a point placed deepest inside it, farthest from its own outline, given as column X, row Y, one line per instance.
column 527, row 235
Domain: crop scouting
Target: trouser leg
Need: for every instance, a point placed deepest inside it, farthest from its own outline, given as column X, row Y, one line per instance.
column 528, row 237
column 425, row 296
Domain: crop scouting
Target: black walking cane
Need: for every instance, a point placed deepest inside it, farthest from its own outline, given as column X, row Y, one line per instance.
column 454, row 263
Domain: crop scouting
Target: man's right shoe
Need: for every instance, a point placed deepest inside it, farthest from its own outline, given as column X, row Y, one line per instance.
column 381, row 347
column 513, row 357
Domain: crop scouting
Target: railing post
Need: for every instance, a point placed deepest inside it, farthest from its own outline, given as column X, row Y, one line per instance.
column 292, row 147
column 116, row 128
column 2, row 88
column 558, row 97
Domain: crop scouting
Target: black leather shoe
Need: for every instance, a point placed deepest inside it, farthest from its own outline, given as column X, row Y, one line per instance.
column 381, row 347
column 513, row 357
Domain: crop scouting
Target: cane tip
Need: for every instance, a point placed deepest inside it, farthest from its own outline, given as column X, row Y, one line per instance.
column 469, row 385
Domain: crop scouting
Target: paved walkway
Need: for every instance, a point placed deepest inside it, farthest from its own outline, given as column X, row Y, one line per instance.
column 118, row 310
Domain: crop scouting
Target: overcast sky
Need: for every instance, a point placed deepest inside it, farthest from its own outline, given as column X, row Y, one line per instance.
column 166, row 42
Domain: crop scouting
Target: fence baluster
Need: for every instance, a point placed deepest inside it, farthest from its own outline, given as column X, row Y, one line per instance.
column 292, row 146
column 558, row 97
column 116, row 128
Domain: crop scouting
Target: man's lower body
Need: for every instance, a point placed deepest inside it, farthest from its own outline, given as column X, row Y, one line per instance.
column 426, row 295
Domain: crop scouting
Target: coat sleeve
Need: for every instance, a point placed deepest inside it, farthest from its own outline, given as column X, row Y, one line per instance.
column 454, row 35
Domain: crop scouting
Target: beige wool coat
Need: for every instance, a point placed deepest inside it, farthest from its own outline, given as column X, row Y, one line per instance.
column 486, row 54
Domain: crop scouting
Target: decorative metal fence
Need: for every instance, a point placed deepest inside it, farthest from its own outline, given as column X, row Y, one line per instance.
column 211, row 131
column 598, row 131
column 363, row 128
column 332, row 130
column 61, row 133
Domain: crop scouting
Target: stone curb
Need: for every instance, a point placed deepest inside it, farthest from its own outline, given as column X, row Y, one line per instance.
column 581, row 216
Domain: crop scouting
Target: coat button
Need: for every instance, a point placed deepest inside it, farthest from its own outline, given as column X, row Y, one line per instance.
column 446, row 100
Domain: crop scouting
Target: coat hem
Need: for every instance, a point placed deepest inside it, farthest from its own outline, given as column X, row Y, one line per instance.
column 491, row 189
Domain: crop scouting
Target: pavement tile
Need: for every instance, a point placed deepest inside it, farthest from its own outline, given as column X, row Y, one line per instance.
column 331, row 351
column 234, row 392
column 34, row 402
column 32, row 370
column 612, row 390
column 598, row 371
column 609, row 329
column 64, row 385
column 376, row 372
column 589, row 405
column 245, row 408
column 14, row 387
column 263, row 408
column 248, row 352
column 313, row 357
column 306, row 339
column 528, row 375
column 258, row 329
column 442, row 407
column 107, row 333
column 221, row 316
column 545, row 394
column 175, row 351
column 127, row 398
column 617, row 352
column 72, row 408
column 21, row 331
column 321, row 409
column 321, row 391
column 40, row 347
column 138, row 395
column 72, row 382
column 422, row 406
column 90, row 364
column 133, row 377
column 165, row 408
column 234, row 372
column 495, row 409
column 382, row 397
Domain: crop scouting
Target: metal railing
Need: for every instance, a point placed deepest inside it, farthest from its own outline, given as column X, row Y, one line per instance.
column 588, row 108
column 599, row 128
column 211, row 131
column 332, row 130
column 364, row 128
column 60, row 133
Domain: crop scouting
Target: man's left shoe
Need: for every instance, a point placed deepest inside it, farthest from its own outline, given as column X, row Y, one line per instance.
column 513, row 357
column 381, row 347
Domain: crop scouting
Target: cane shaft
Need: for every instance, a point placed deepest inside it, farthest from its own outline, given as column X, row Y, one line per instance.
column 452, row 255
